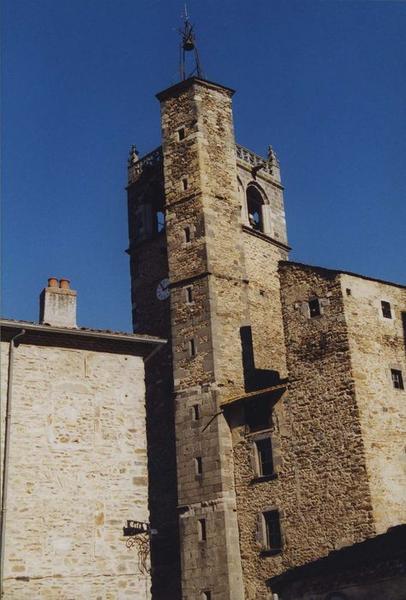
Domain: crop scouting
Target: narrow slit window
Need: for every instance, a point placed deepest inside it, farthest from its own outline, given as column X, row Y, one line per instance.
column 199, row 465
column 185, row 184
column 192, row 348
column 273, row 538
column 202, row 530
column 314, row 308
column 386, row 309
column 187, row 234
column 397, row 379
column 181, row 134
column 189, row 294
column 264, row 457
column 196, row 412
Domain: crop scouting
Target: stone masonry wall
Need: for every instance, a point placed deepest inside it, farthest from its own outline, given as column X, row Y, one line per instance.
column 377, row 346
column 78, row 471
column 326, row 495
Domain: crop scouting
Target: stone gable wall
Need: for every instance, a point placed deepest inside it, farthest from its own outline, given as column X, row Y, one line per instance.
column 78, row 471
column 377, row 345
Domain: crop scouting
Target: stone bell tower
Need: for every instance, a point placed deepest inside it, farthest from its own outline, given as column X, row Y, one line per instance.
column 204, row 254
column 207, row 275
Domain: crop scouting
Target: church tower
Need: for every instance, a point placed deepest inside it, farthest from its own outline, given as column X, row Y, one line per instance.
column 207, row 230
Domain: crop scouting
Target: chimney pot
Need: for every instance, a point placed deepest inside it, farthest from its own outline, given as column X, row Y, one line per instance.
column 64, row 284
column 58, row 304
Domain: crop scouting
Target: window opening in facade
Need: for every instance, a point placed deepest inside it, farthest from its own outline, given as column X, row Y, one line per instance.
column 264, row 456
column 199, row 465
column 196, row 412
column 202, row 530
column 314, row 308
column 273, row 537
column 189, row 294
column 397, row 379
column 386, row 309
column 254, row 206
column 192, row 348
column 187, row 234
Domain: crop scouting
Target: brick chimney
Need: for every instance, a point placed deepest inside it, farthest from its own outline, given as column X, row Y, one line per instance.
column 58, row 304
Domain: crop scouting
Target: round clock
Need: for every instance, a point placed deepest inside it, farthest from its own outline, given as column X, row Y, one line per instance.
column 162, row 290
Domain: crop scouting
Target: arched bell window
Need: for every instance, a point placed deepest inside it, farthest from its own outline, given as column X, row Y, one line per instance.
column 254, row 206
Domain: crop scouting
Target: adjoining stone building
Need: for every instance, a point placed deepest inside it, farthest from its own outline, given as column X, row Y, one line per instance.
column 77, row 459
column 275, row 414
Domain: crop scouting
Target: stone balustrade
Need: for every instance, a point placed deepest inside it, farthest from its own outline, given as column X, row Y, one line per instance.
column 137, row 165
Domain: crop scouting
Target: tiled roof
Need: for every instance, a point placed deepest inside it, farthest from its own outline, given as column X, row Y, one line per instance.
column 32, row 325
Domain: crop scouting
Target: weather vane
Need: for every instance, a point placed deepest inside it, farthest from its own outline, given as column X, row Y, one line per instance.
column 188, row 44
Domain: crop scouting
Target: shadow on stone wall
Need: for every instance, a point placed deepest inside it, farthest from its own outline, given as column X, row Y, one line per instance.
column 254, row 379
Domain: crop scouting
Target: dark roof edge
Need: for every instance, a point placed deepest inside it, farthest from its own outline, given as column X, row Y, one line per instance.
column 287, row 263
column 112, row 336
column 183, row 85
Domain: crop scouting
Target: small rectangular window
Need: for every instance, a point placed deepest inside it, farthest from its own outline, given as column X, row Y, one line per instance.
column 273, row 538
column 199, row 465
column 206, row 596
column 386, row 309
column 397, row 379
column 181, row 134
column 202, row 530
column 192, row 348
column 264, row 456
column 187, row 234
column 184, row 184
column 196, row 412
column 314, row 307
column 189, row 294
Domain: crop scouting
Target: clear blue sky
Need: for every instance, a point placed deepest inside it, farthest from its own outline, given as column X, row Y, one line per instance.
column 322, row 81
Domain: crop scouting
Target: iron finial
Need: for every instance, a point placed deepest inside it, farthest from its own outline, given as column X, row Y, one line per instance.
column 188, row 44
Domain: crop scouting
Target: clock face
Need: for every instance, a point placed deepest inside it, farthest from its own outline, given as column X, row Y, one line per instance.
column 162, row 290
